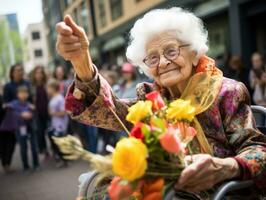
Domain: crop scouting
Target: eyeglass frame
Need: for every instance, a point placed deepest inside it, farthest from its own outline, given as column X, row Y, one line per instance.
column 178, row 54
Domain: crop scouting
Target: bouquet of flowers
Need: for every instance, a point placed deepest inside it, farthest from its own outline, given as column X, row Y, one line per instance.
column 149, row 161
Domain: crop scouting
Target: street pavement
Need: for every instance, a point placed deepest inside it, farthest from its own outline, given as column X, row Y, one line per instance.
column 49, row 183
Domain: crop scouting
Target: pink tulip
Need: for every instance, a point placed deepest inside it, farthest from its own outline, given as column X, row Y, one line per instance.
column 191, row 132
column 170, row 141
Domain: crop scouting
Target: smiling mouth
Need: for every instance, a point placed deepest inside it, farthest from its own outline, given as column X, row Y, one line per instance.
column 164, row 72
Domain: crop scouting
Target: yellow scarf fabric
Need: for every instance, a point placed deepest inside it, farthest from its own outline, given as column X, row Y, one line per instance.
column 202, row 89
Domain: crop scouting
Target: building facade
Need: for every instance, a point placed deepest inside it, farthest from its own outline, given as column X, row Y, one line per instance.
column 109, row 22
column 52, row 12
column 36, row 46
column 234, row 26
column 247, row 27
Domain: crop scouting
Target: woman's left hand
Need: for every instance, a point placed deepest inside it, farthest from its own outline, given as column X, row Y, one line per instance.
column 205, row 171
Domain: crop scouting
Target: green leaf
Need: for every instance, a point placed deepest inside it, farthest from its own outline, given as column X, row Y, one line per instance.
column 145, row 129
column 159, row 123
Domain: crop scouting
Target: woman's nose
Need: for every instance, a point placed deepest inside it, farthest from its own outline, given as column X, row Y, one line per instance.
column 163, row 61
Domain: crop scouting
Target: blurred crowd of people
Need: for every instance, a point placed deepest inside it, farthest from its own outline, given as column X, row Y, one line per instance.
column 254, row 77
column 32, row 108
column 32, row 111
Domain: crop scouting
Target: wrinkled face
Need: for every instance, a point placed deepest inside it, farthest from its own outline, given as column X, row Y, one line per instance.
column 170, row 72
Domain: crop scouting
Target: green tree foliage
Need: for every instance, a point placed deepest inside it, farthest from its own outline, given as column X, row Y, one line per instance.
column 10, row 47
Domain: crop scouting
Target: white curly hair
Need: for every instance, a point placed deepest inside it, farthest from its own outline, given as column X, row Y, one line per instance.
column 188, row 29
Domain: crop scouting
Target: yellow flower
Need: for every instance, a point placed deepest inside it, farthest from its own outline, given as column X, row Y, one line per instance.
column 181, row 110
column 139, row 111
column 129, row 159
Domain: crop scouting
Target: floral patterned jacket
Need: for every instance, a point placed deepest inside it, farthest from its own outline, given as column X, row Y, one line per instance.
column 228, row 124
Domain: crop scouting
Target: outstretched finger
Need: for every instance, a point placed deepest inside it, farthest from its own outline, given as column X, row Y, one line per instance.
column 77, row 30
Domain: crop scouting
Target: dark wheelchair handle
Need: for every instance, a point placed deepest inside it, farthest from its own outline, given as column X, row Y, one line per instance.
column 222, row 190
column 258, row 109
column 231, row 186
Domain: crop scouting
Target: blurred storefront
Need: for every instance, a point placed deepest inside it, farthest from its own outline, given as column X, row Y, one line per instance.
column 247, row 27
column 52, row 12
column 234, row 26
column 107, row 23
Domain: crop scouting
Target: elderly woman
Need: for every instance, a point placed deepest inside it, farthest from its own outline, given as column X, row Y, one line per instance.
column 170, row 46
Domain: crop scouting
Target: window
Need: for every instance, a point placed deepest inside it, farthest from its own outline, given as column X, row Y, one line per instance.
column 38, row 53
column 84, row 16
column 116, row 9
column 102, row 13
column 35, row 35
column 67, row 2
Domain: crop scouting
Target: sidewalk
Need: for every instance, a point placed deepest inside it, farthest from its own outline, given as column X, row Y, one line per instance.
column 49, row 183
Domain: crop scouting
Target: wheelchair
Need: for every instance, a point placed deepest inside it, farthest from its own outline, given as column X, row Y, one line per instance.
column 88, row 181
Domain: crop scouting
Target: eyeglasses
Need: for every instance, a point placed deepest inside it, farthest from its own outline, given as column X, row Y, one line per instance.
column 171, row 53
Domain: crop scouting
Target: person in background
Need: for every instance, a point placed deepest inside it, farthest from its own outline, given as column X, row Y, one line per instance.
column 236, row 70
column 16, row 76
column 40, row 99
column 4, row 137
column 259, row 95
column 59, row 118
column 24, row 110
column 257, row 70
column 60, row 75
column 109, row 137
column 69, row 79
column 127, row 89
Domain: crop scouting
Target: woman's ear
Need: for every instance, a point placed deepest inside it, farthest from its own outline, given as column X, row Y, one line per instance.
column 194, row 58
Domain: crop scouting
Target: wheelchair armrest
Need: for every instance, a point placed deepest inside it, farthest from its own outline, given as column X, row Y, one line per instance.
column 84, row 182
column 258, row 109
column 230, row 186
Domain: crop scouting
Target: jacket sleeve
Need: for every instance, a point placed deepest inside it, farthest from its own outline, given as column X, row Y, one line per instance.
column 7, row 96
column 100, row 107
column 246, row 140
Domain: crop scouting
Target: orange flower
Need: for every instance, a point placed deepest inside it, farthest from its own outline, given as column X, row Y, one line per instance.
column 119, row 189
column 152, row 189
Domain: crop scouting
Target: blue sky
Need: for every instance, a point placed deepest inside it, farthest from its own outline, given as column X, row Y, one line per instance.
column 28, row 11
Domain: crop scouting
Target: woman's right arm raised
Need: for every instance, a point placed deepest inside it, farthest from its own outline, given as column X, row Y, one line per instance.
column 72, row 44
column 93, row 107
